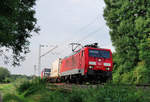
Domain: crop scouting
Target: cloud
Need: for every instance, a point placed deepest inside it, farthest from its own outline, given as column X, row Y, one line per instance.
column 75, row 1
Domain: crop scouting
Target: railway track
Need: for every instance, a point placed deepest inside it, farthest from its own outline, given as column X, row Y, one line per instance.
column 89, row 84
column 69, row 86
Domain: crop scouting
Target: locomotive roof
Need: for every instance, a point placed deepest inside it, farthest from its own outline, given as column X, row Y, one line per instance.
column 75, row 52
column 97, row 48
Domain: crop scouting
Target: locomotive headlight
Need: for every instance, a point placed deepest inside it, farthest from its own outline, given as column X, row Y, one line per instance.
column 107, row 64
column 90, row 67
column 107, row 68
column 99, row 60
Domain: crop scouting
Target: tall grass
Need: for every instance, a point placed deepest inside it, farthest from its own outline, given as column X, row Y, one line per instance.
column 25, row 89
column 38, row 91
column 107, row 93
column 29, row 87
column 13, row 98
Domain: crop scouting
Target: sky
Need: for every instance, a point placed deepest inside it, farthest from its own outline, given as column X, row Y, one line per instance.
column 63, row 22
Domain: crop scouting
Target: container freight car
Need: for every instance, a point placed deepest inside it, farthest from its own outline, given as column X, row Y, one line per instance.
column 55, row 69
column 46, row 73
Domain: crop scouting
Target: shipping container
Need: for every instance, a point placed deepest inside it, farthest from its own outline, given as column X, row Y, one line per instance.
column 55, row 68
column 45, row 73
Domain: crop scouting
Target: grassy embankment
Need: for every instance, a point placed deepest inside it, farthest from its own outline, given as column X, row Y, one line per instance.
column 39, row 91
column 7, row 88
column 9, row 94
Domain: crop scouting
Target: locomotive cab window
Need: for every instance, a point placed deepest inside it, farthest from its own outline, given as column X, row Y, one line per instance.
column 99, row 53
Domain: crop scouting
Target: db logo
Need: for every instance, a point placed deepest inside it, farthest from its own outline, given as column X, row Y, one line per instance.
column 99, row 63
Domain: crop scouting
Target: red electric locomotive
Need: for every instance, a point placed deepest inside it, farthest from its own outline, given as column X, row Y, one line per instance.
column 88, row 63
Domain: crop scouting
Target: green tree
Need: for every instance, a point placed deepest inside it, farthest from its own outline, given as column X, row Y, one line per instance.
column 17, row 21
column 129, row 23
column 4, row 73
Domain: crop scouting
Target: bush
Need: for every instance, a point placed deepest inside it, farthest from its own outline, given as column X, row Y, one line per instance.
column 54, row 96
column 29, row 87
column 4, row 73
column 11, row 98
column 76, row 96
column 116, row 77
column 138, row 75
column 127, row 78
column 141, row 75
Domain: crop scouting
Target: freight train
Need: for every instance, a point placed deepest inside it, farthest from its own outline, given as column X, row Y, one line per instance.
column 89, row 63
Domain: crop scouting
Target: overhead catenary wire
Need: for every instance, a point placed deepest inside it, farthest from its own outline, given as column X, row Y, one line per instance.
column 87, row 25
column 68, row 40
column 89, row 34
column 83, row 38
column 81, row 30
column 84, row 30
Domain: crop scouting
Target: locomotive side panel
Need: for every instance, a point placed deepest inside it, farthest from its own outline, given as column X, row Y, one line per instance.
column 72, row 65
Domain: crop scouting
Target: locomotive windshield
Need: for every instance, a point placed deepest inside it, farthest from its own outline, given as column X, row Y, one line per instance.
column 99, row 53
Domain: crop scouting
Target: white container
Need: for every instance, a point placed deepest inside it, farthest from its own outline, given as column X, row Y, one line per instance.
column 55, row 68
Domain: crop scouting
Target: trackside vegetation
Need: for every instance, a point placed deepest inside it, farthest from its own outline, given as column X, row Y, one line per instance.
column 17, row 21
column 129, row 23
column 38, row 90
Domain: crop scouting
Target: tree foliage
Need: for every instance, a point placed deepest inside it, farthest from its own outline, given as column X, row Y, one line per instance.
column 17, row 21
column 129, row 23
column 4, row 73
